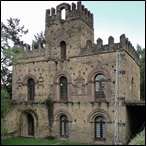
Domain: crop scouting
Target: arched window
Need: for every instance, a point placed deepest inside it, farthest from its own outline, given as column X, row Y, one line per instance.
column 100, row 86
column 63, row 88
column 63, row 126
column 30, row 124
column 63, row 14
column 100, row 128
column 63, row 49
column 31, row 89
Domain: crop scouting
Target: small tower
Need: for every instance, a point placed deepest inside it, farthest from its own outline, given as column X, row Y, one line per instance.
column 65, row 37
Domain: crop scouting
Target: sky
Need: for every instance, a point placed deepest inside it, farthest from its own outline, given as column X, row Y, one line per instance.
column 111, row 18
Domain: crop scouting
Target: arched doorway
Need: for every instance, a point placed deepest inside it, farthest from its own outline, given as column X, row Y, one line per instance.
column 30, row 121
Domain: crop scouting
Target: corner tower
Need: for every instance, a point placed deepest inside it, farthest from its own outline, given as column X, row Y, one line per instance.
column 65, row 37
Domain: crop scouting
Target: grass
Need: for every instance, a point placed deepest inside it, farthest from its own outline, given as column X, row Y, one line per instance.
column 139, row 139
column 31, row 141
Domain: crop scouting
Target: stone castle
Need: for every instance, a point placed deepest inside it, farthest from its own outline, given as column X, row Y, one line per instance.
column 66, row 89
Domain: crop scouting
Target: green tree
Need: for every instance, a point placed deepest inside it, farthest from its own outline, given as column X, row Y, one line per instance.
column 4, row 102
column 141, row 53
column 39, row 37
column 11, row 45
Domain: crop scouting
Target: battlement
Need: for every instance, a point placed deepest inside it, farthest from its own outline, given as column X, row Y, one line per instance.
column 36, row 46
column 91, row 48
column 72, row 12
column 30, row 52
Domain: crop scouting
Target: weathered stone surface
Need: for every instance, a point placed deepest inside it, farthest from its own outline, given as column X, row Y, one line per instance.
column 84, row 60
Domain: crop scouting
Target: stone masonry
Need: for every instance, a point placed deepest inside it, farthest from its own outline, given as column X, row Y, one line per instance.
column 82, row 61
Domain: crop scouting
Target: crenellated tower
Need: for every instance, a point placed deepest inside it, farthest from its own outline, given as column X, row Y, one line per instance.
column 70, row 33
column 65, row 88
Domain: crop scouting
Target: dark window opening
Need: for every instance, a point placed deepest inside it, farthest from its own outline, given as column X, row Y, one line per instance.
column 63, row 50
column 30, row 124
column 122, row 72
column 132, row 81
column 64, row 126
column 31, row 89
column 100, row 128
column 100, row 86
column 63, row 88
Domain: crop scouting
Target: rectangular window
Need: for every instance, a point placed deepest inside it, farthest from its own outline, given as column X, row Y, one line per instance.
column 97, row 90
column 66, row 128
column 122, row 72
column 62, row 132
column 103, row 90
column 63, row 88
column 98, row 130
column 104, row 130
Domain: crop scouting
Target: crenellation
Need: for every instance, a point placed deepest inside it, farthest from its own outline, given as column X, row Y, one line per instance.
column 33, row 45
column 111, row 46
column 48, row 12
column 79, row 6
column 110, row 40
column 74, row 77
column 37, row 46
column 88, row 14
column 47, row 19
column 83, row 8
column 52, row 11
column 91, row 16
column 129, row 46
column 86, row 11
column 99, row 42
column 71, row 13
column 73, row 6
column 124, row 42
column 123, row 39
column 28, row 47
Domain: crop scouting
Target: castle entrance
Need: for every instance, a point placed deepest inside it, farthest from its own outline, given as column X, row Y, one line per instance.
column 30, row 124
column 136, row 117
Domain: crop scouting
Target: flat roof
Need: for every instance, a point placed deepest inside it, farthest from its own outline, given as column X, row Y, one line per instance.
column 135, row 103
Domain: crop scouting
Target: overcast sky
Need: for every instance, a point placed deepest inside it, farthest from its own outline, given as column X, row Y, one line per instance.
column 110, row 18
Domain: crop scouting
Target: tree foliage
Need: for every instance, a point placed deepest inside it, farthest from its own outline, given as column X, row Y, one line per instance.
column 40, row 38
column 141, row 53
column 11, row 45
column 4, row 102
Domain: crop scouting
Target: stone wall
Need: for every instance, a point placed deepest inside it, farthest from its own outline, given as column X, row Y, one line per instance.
column 81, row 123
column 83, row 61
column 16, row 120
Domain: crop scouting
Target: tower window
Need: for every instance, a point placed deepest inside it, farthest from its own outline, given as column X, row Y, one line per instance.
column 63, row 49
column 31, row 89
column 63, row 88
column 63, row 14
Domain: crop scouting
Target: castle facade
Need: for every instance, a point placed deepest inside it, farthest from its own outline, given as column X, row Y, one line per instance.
column 67, row 88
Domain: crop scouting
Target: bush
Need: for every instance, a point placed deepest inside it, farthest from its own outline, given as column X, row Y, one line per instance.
column 50, row 137
column 4, row 132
